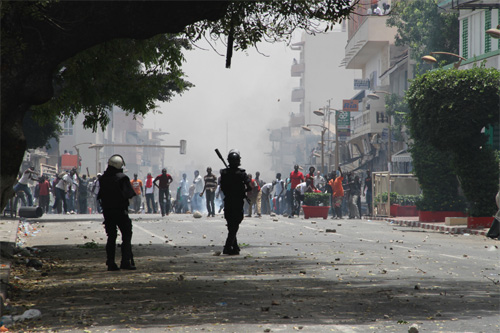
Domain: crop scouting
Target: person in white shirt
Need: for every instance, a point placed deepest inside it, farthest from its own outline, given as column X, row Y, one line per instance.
column 73, row 185
column 279, row 193
column 267, row 190
column 22, row 184
column 184, row 186
column 198, row 188
column 61, row 189
column 319, row 181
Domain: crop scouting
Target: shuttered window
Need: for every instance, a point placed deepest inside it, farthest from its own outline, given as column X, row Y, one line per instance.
column 487, row 25
column 465, row 37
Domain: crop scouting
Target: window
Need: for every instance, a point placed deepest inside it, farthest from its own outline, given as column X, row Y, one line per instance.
column 465, row 38
column 67, row 127
column 487, row 25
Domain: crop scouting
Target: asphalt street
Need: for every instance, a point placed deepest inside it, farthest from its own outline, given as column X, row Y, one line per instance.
column 312, row 275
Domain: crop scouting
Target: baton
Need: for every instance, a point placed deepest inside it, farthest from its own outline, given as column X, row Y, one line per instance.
column 220, row 156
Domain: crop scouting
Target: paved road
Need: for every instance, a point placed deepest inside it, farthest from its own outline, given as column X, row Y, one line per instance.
column 313, row 275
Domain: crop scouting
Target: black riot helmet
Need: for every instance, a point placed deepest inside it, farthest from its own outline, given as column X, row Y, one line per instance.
column 234, row 158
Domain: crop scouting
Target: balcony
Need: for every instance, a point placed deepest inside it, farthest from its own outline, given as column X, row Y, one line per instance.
column 298, row 69
column 369, row 39
column 298, row 94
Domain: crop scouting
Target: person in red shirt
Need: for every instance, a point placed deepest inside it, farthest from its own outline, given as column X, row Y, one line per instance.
column 296, row 177
column 138, row 189
column 311, row 176
column 163, row 185
column 44, row 194
column 337, row 193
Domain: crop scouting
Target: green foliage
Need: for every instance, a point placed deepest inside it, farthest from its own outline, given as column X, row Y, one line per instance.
column 437, row 180
column 250, row 22
column 316, row 199
column 89, row 245
column 382, row 197
column 424, row 27
column 434, row 204
column 132, row 74
column 448, row 109
column 397, row 107
column 398, row 199
column 407, row 199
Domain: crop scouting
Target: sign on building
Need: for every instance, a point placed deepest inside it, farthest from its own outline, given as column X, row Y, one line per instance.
column 350, row 105
column 361, row 84
column 343, row 126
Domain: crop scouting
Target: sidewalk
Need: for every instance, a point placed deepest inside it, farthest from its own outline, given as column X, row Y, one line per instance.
column 8, row 235
column 412, row 221
column 9, row 229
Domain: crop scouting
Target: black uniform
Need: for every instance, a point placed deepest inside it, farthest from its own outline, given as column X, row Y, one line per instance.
column 114, row 194
column 234, row 183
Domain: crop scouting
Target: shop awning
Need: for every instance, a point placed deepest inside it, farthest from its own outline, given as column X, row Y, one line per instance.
column 402, row 156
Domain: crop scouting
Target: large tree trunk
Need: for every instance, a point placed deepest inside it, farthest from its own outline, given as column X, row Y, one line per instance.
column 32, row 48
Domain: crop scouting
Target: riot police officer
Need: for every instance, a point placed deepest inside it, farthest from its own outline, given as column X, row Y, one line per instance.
column 114, row 194
column 234, row 183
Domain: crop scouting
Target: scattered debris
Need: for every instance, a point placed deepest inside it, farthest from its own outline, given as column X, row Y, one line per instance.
column 35, row 263
column 413, row 328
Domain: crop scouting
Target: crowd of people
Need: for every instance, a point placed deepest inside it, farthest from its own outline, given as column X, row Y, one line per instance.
column 67, row 192
column 236, row 192
column 72, row 193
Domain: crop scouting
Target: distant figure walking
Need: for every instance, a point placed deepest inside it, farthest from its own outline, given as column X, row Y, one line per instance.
column 210, row 187
column 163, row 182
column 198, row 189
column 296, row 177
column 139, row 191
column 150, row 194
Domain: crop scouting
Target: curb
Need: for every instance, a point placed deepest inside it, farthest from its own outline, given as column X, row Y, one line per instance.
column 437, row 226
column 8, row 237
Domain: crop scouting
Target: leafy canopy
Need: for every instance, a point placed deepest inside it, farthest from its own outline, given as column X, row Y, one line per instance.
column 135, row 74
column 131, row 74
column 424, row 27
column 250, row 22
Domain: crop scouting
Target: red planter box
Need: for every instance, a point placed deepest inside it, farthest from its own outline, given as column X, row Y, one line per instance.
column 427, row 216
column 316, row 211
column 394, row 210
column 398, row 210
column 479, row 222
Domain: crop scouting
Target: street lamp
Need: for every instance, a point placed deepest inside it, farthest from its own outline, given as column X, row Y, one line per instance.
column 375, row 96
column 78, row 154
column 431, row 60
column 306, row 128
column 321, row 112
column 494, row 33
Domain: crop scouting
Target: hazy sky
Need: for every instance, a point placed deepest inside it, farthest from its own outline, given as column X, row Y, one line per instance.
column 229, row 108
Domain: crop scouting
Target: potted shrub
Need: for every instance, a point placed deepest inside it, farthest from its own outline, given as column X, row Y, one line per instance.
column 316, row 205
column 381, row 201
column 406, row 206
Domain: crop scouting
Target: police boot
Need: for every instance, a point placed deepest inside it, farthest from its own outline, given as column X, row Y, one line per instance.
column 112, row 266
column 127, row 265
column 231, row 251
